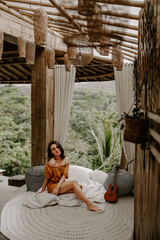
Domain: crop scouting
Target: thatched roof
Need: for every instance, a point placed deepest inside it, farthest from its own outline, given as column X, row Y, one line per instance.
column 120, row 16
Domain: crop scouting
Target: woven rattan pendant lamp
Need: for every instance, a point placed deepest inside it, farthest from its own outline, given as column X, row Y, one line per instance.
column 79, row 52
column 40, row 19
column 94, row 24
column 86, row 7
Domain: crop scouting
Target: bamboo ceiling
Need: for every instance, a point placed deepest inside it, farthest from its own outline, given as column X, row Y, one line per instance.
column 120, row 16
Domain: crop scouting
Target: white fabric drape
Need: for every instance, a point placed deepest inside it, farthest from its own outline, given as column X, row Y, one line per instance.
column 125, row 100
column 64, row 86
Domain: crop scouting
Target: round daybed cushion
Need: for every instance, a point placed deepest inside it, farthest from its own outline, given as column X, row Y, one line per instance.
column 34, row 176
column 98, row 176
column 124, row 181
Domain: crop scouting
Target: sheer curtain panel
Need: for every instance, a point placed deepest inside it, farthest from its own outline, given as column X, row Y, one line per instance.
column 125, row 100
column 64, row 86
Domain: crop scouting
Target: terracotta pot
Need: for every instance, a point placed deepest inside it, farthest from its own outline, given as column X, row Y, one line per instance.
column 135, row 130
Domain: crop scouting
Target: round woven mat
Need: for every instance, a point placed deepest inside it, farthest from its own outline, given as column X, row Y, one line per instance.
column 73, row 223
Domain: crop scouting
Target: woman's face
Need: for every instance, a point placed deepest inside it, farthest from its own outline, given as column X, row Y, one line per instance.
column 55, row 150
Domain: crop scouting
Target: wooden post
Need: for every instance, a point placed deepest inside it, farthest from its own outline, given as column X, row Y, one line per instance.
column 42, row 107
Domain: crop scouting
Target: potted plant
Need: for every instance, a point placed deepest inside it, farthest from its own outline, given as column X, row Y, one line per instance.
column 135, row 127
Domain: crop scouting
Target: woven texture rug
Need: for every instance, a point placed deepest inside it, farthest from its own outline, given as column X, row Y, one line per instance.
column 68, row 223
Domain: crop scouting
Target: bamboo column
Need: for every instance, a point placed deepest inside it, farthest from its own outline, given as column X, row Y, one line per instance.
column 42, row 107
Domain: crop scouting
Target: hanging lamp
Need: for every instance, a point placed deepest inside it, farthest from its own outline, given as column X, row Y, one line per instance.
column 21, row 43
column 30, row 52
column 50, row 58
column 94, row 24
column 86, row 7
column 67, row 63
column 40, row 19
column 79, row 51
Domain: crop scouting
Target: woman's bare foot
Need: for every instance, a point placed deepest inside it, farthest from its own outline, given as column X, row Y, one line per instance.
column 93, row 207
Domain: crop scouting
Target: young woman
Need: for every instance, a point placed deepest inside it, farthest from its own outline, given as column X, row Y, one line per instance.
column 56, row 171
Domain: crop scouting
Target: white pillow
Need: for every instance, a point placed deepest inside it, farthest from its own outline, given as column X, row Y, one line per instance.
column 98, row 176
column 78, row 173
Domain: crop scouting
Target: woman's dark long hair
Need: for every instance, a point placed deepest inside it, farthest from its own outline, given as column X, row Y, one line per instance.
column 50, row 154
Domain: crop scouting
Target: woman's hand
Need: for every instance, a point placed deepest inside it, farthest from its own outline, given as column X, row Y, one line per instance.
column 55, row 191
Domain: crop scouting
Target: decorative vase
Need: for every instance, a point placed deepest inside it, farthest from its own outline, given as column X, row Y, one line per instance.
column 30, row 52
column 40, row 19
column 1, row 44
column 67, row 63
column 21, row 46
column 50, row 58
column 135, row 130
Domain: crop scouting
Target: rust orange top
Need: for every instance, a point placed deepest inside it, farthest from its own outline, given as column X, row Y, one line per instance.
column 55, row 173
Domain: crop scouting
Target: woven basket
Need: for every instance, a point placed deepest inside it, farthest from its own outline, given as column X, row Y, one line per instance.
column 21, row 46
column 40, row 19
column 67, row 63
column 30, row 52
column 135, row 130
column 50, row 58
column 71, row 52
column 1, row 44
column 117, row 57
column 86, row 7
column 94, row 25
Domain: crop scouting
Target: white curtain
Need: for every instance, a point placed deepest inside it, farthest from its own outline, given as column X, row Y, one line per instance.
column 125, row 100
column 64, row 86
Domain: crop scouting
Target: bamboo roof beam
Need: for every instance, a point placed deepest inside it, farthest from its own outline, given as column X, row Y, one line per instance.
column 129, row 46
column 108, row 23
column 128, row 55
column 115, row 14
column 20, row 16
column 123, row 3
column 116, row 2
column 96, row 76
column 15, row 13
column 71, row 18
column 129, row 50
column 70, row 30
column 62, row 10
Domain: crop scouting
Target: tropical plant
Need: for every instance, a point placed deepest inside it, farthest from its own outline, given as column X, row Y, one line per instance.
column 15, row 131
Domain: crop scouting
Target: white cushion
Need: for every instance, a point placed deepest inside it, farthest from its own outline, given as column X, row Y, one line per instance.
column 78, row 173
column 98, row 176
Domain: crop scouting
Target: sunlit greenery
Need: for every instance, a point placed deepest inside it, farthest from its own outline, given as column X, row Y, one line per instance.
column 15, row 131
column 93, row 136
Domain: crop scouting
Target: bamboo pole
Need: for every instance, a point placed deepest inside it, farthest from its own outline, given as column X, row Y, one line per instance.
column 96, row 76
column 155, row 135
column 154, row 117
column 118, row 2
column 155, row 152
column 123, row 3
column 20, row 16
column 15, row 13
column 64, row 13
column 129, row 50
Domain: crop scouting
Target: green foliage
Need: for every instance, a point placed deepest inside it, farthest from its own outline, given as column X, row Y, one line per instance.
column 15, row 131
column 93, row 137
